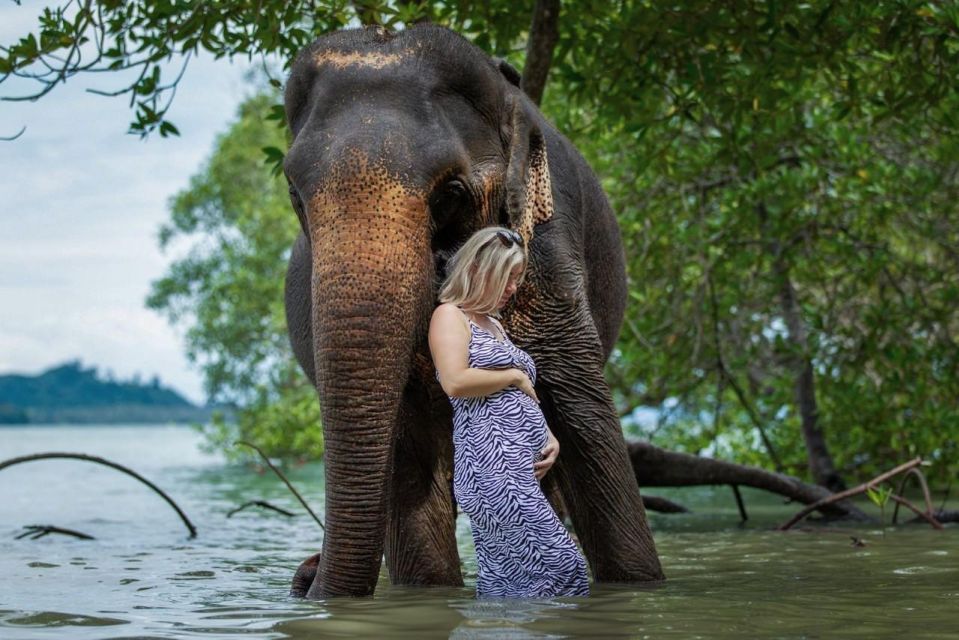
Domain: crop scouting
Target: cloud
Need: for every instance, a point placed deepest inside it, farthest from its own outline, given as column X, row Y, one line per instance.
column 123, row 339
column 80, row 205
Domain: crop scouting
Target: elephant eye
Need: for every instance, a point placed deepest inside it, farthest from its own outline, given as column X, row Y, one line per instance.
column 295, row 198
column 451, row 207
column 455, row 187
column 448, row 201
column 297, row 203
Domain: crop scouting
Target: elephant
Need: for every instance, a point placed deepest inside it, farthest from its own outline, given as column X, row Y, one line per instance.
column 403, row 144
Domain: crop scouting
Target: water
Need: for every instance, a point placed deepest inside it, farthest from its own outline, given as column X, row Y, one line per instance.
column 144, row 578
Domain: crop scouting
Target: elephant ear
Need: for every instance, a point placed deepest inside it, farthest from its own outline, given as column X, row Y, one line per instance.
column 509, row 71
column 529, row 193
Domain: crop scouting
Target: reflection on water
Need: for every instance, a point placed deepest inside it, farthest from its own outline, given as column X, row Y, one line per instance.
column 504, row 618
column 142, row 576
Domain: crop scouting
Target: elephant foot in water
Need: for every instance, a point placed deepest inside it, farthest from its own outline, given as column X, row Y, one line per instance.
column 303, row 578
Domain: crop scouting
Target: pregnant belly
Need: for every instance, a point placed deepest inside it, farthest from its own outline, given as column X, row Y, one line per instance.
column 518, row 396
column 527, row 424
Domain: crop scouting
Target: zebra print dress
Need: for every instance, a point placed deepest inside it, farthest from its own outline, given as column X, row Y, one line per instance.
column 522, row 548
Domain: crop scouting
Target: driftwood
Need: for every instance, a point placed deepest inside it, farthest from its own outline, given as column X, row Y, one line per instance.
column 863, row 488
column 655, row 467
column 107, row 463
column 944, row 515
column 36, row 531
column 928, row 517
column 260, row 503
column 663, row 505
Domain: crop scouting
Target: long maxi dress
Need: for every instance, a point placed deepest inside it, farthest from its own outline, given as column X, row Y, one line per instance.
column 522, row 548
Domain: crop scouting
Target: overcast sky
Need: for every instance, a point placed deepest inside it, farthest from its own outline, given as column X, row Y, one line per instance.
column 80, row 205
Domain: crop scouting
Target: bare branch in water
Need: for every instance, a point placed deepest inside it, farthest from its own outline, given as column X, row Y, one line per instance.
column 14, row 136
column 260, row 503
column 113, row 465
column 848, row 493
column 283, row 478
column 916, row 473
column 655, row 467
column 662, row 505
column 36, row 531
column 928, row 517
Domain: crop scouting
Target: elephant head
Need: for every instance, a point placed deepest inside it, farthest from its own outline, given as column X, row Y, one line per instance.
column 403, row 145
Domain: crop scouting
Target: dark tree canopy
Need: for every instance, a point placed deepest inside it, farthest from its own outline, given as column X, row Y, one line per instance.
column 785, row 176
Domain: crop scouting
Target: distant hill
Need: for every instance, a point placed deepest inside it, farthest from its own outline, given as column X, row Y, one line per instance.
column 70, row 393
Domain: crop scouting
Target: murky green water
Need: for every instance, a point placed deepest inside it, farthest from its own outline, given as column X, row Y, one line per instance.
column 143, row 578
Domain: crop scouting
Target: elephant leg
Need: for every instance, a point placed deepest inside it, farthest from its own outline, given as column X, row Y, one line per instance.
column 421, row 530
column 593, row 470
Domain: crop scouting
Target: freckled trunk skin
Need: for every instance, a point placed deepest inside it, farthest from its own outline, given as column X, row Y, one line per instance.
column 370, row 272
column 359, row 387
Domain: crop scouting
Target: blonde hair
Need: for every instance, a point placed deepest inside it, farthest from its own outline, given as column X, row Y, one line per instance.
column 478, row 272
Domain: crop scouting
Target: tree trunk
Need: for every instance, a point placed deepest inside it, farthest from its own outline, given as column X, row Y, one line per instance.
column 543, row 36
column 655, row 467
column 820, row 461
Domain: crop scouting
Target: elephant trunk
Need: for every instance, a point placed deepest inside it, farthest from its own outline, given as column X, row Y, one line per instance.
column 371, row 299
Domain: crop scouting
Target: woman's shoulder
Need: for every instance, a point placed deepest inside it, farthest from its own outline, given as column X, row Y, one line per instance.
column 447, row 312
column 447, row 309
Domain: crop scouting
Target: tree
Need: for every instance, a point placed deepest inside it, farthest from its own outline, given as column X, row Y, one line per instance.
column 153, row 41
column 785, row 176
column 786, row 179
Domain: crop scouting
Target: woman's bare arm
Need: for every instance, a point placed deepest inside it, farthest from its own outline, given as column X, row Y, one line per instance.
column 449, row 344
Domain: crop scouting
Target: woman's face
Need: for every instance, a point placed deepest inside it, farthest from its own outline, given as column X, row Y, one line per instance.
column 510, row 286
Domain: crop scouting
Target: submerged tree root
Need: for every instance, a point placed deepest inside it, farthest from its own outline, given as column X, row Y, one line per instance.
column 107, row 463
column 655, row 467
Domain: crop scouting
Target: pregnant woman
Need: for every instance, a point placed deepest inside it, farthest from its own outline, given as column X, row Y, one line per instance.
column 502, row 445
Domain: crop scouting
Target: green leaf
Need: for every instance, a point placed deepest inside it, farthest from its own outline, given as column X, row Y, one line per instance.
column 167, row 128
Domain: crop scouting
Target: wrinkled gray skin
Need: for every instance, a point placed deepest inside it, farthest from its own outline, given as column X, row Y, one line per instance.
column 403, row 145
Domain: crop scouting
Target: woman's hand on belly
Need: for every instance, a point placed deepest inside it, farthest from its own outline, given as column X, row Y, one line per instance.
column 550, row 453
column 526, row 386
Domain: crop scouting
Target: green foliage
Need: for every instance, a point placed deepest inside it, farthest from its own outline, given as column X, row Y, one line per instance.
column 879, row 496
column 228, row 291
column 148, row 40
column 72, row 385
column 72, row 394
column 754, row 145
column 753, row 151
column 147, row 35
column 283, row 420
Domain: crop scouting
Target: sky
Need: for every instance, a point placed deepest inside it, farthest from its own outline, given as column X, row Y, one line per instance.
column 81, row 202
